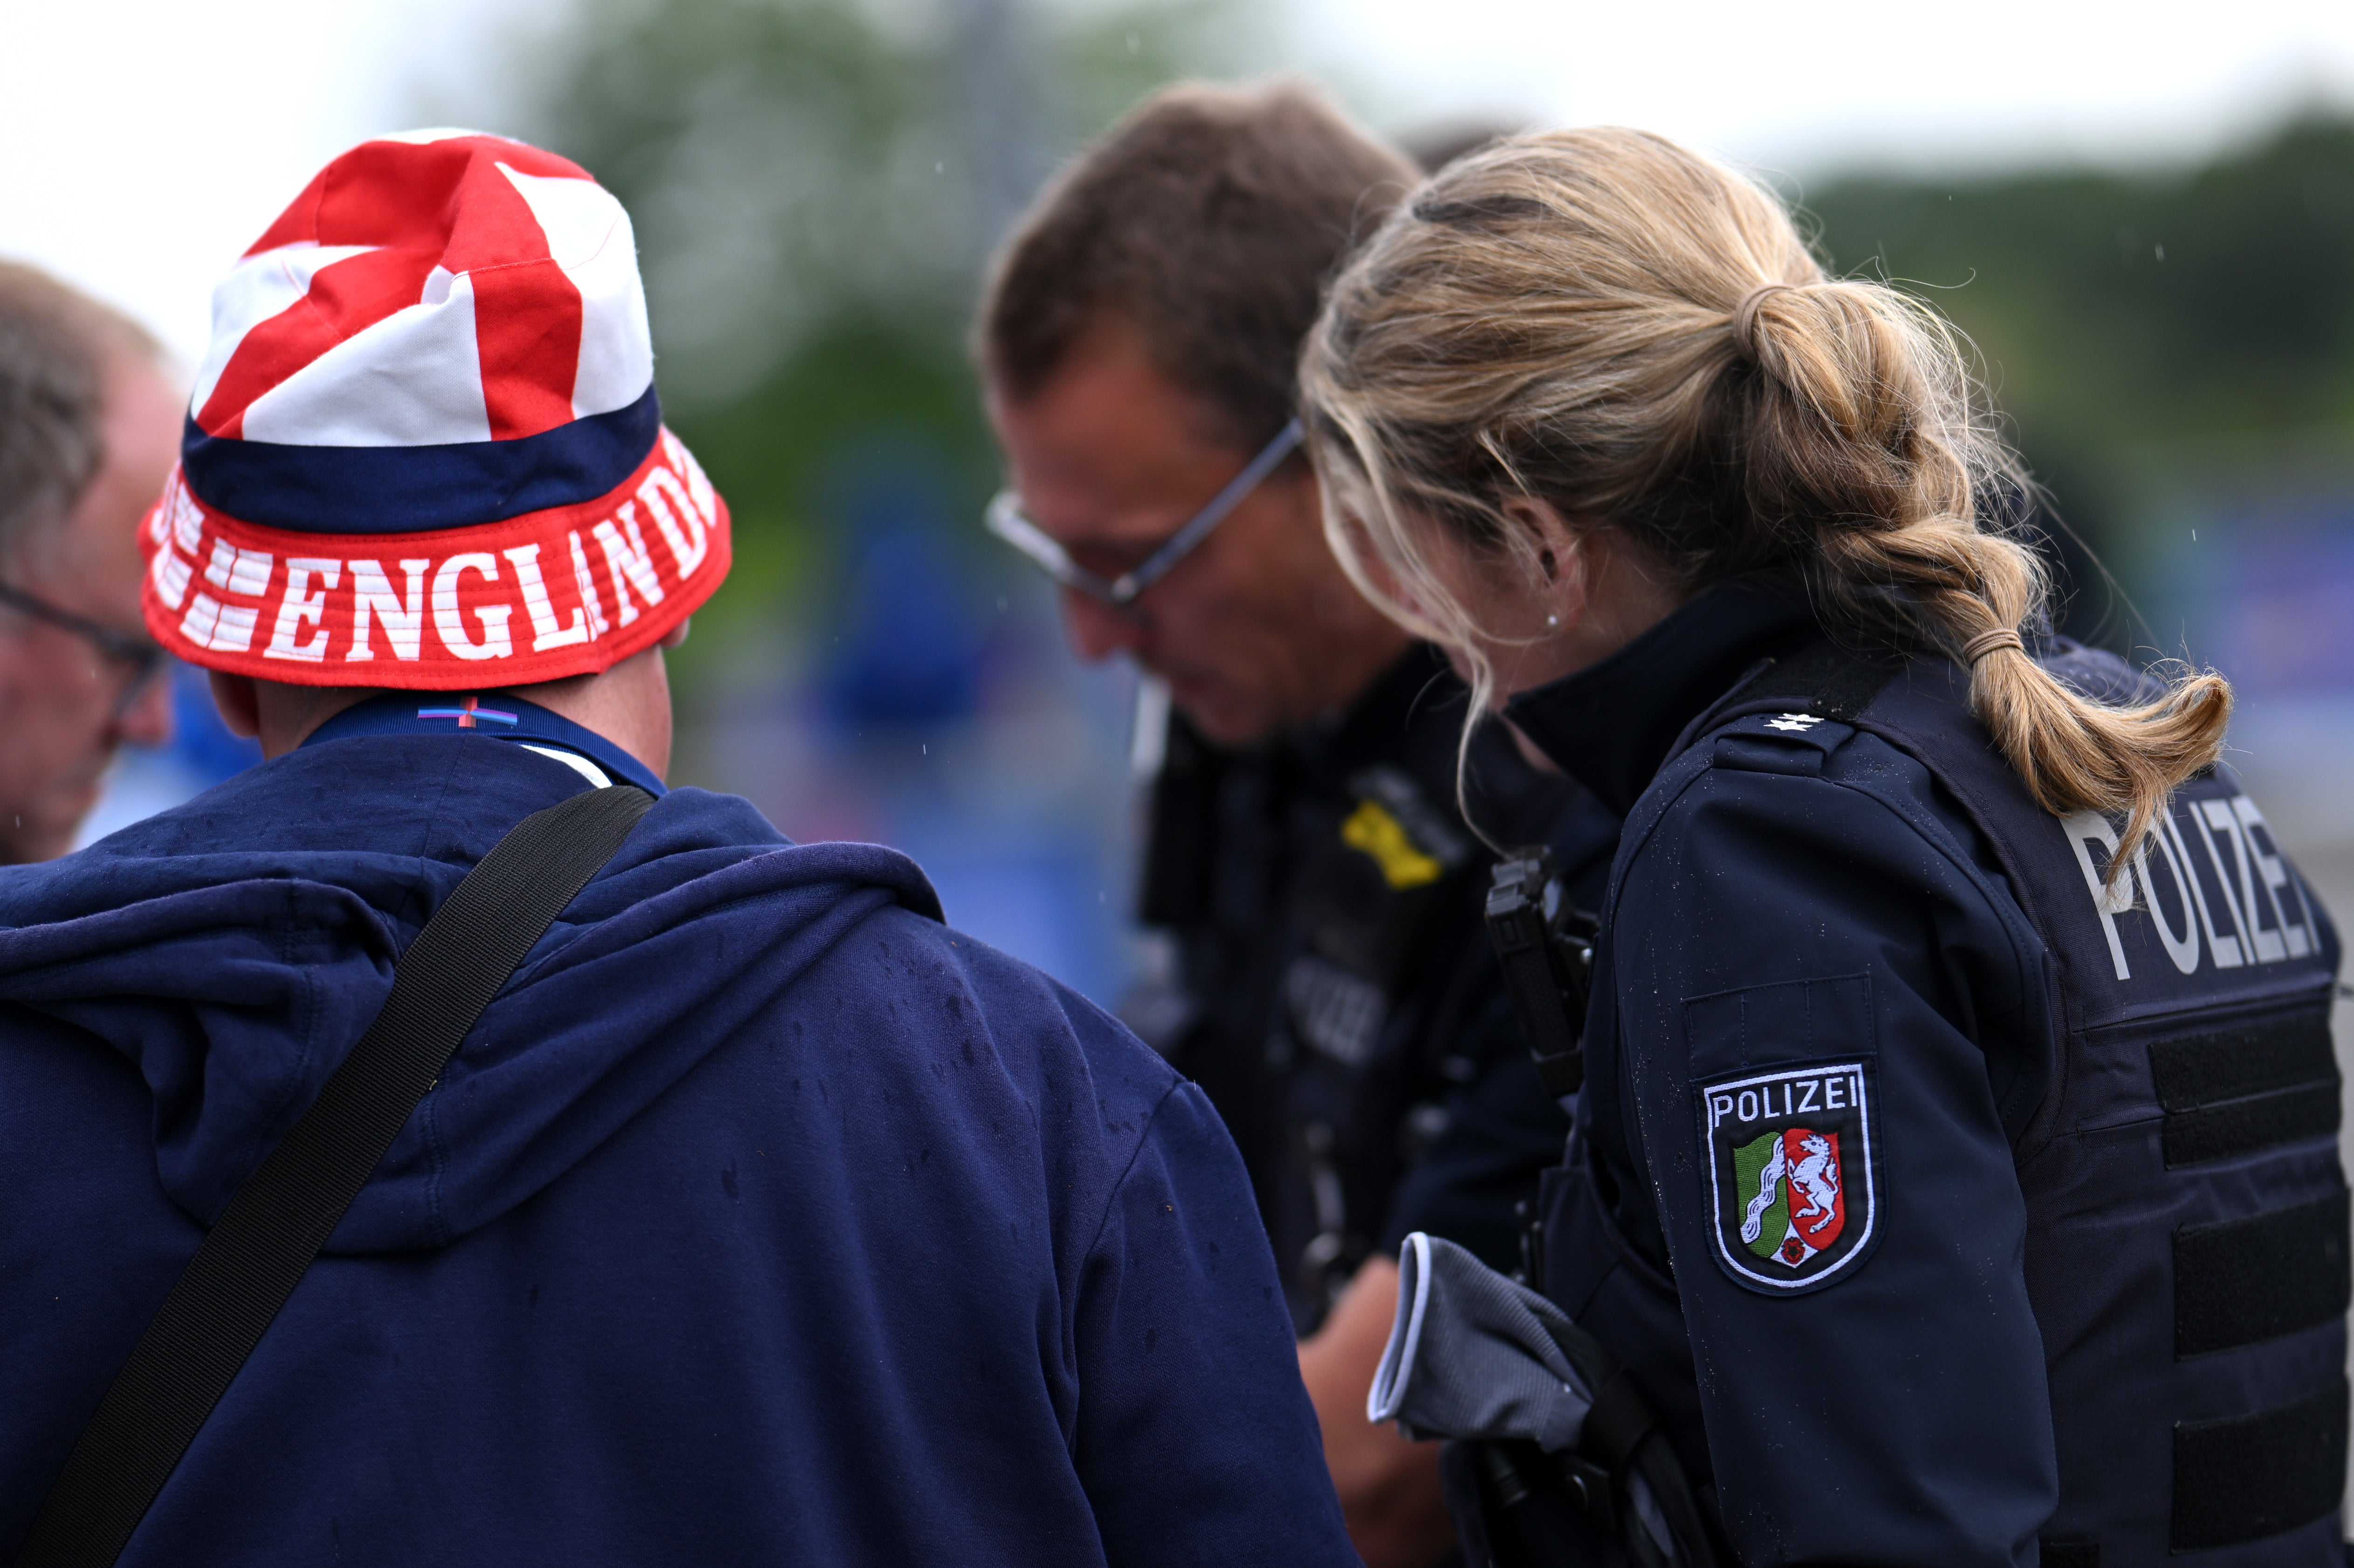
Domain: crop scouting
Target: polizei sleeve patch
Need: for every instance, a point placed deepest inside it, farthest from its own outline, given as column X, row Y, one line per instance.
column 1792, row 1170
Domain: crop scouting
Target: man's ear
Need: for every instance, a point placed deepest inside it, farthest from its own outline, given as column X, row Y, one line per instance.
column 240, row 701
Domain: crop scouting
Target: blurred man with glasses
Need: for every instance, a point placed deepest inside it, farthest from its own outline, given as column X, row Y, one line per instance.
column 1333, row 992
column 89, row 425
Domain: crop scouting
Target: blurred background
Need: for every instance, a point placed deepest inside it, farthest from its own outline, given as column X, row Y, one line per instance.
column 2146, row 225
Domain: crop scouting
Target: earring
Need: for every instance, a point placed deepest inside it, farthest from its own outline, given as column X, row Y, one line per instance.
column 1553, row 620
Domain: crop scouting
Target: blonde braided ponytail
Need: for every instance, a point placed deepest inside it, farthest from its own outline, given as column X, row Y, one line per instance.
column 1639, row 335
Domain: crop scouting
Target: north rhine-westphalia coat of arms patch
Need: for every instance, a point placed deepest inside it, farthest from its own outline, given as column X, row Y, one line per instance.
column 1792, row 1167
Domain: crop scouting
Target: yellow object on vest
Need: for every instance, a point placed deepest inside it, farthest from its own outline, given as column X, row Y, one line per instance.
column 1372, row 829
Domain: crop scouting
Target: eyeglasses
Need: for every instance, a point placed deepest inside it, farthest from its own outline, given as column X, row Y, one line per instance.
column 142, row 661
column 1006, row 519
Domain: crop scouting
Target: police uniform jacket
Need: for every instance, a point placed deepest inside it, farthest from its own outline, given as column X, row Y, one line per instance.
column 1952, row 1202
column 1335, row 994
column 762, row 1218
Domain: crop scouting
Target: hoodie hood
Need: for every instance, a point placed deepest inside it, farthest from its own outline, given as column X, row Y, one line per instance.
column 232, row 951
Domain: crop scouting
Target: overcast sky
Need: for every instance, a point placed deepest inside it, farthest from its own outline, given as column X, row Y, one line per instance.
column 1814, row 87
column 148, row 143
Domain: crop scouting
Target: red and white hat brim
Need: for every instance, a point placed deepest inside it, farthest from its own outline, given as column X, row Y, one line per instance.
column 546, row 595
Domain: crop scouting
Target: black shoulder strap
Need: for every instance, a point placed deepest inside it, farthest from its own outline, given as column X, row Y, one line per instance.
column 1823, row 676
column 259, row 1249
column 1834, row 680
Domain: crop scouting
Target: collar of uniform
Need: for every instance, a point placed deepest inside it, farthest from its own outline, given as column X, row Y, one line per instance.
column 499, row 716
column 1369, row 729
column 1613, row 724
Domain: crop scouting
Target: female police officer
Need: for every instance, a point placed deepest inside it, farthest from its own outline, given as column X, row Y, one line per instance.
column 1955, row 1172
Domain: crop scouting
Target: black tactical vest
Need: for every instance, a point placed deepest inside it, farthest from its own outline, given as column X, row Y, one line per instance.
column 2187, row 1224
column 1333, row 992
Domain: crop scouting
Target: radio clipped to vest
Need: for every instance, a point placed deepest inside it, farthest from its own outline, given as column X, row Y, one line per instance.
column 1546, row 946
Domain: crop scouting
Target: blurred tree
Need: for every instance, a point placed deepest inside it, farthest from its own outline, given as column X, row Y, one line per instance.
column 2132, row 322
column 816, row 185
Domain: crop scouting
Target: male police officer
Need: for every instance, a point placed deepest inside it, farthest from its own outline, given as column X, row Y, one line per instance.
column 762, row 1218
column 1336, row 999
column 89, row 422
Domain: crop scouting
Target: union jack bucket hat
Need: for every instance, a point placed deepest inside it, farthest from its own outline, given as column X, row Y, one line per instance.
column 424, row 450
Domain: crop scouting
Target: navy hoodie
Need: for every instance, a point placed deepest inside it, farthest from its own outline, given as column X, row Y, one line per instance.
column 762, row 1218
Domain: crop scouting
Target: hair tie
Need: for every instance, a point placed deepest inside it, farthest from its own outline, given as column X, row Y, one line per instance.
column 1987, row 642
column 1745, row 316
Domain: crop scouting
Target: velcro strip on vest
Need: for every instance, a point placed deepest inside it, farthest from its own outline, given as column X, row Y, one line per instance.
column 2240, row 1281
column 2235, row 1091
column 2253, row 1476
